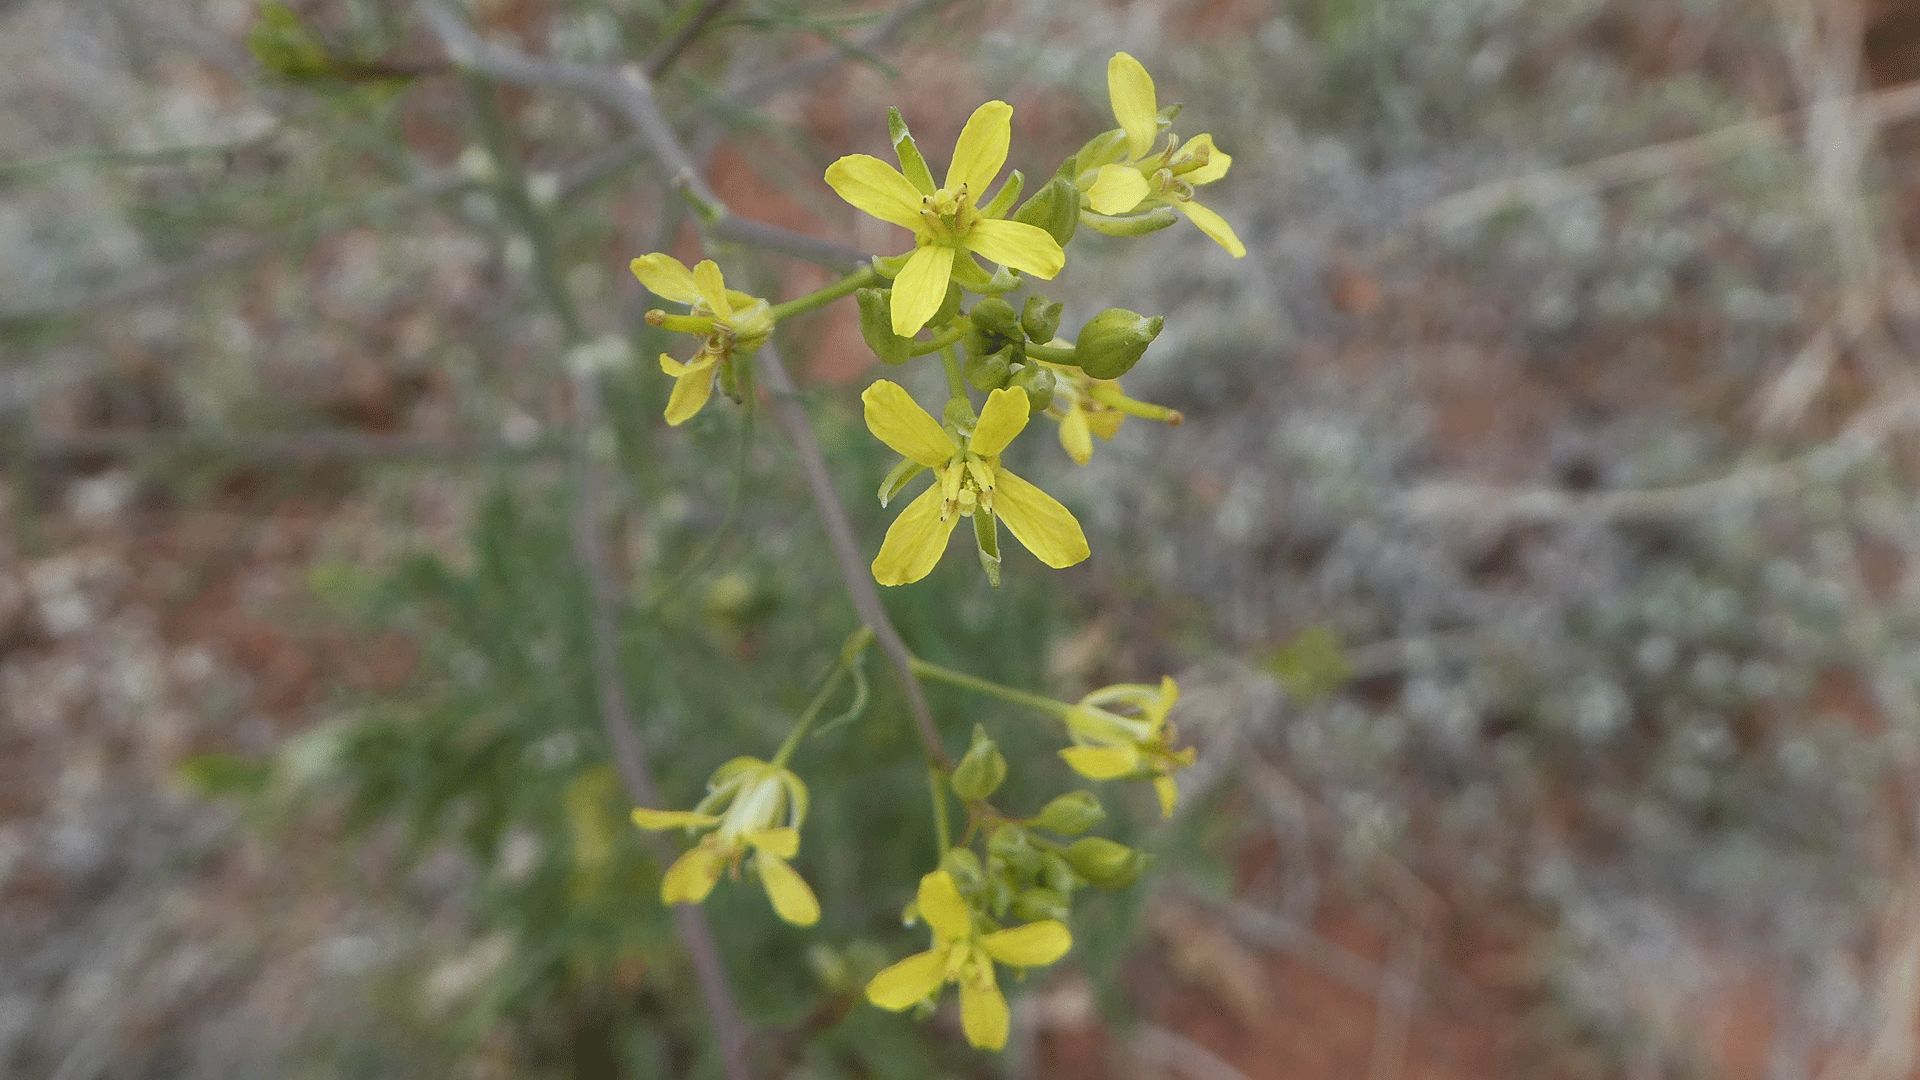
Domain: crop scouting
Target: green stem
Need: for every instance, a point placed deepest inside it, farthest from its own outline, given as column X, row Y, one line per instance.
column 849, row 655
column 940, row 341
column 937, row 788
column 931, row 670
column 1053, row 354
column 956, row 382
column 859, row 279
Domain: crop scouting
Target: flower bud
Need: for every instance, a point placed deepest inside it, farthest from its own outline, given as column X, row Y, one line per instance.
column 1040, row 319
column 1038, row 383
column 876, row 326
column 1033, row 905
column 996, row 318
column 964, row 867
column 989, row 373
column 1071, row 814
column 1113, row 341
column 1055, row 208
column 1011, row 846
column 1057, row 874
column 1105, row 863
column 981, row 771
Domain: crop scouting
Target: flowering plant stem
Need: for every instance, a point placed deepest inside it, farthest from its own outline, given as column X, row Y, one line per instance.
column 930, row 670
column 846, row 286
column 849, row 655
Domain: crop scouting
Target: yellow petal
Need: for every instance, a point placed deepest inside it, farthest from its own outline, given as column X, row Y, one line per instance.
column 1213, row 225
column 1101, row 762
column 982, row 149
column 656, row 820
column 692, row 876
column 784, row 843
column 983, row 1014
column 1001, row 418
column 713, row 289
column 1218, row 160
column 1116, row 189
column 920, row 287
column 909, row 981
column 1032, row 945
column 1169, row 694
column 1105, row 422
column 1076, row 436
column 877, row 188
column 899, row 421
column 667, row 277
column 1169, row 793
column 690, row 394
column 1134, row 104
column 1037, row 520
column 915, row 541
column 791, row 898
column 942, row 908
column 1028, row 248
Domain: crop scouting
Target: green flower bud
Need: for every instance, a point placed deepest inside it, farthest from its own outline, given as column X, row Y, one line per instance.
column 1056, row 874
column 1105, row 863
column 1113, row 341
column 1011, row 846
column 1034, row 905
column 1038, row 383
column 959, row 414
column 1055, row 208
column 1040, row 319
column 876, row 326
column 996, row 318
column 1071, row 814
column 989, row 373
column 981, row 771
column 964, row 865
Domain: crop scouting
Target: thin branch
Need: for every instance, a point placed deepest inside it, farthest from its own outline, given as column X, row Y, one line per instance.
column 300, row 447
column 663, row 58
column 623, row 733
column 792, row 418
column 808, row 68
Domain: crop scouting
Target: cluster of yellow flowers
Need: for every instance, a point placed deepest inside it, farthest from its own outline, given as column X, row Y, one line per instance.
column 1006, row 904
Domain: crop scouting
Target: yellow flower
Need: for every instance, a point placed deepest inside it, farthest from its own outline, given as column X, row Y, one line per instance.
column 757, row 795
column 1086, row 406
column 947, row 221
column 1109, row 746
column 961, row 953
column 968, row 480
column 728, row 321
column 1145, row 177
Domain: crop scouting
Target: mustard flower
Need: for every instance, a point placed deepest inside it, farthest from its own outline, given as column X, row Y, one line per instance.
column 947, row 222
column 1085, row 406
column 1145, row 177
column 960, row 953
column 968, row 480
column 757, row 795
column 1110, row 746
column 729, row 323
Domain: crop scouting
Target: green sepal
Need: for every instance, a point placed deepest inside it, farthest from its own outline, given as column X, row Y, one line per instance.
column 1071, row 814
column 987, row 535
column 1106, row 148
column 876, row 326
column 949, row 306
column 983, row 769
column 1131, row 224
column 912, row 165
column 900, row 477
column 730, row 381
column 1004, row 280
column 969, row 274
column 996, row 317
column 1163, row 121
column 1003, row 198
column 1055, row 208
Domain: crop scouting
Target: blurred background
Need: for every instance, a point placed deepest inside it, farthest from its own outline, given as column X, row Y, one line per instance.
column 1537, row 558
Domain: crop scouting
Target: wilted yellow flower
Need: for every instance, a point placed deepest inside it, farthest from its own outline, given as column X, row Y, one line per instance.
column 757, row 795
column 1110, row 746
column 968, row 480
column 729, row 323
column 1086, row 406
column 1146, row 177
column 962, row 954
column 947, row 221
